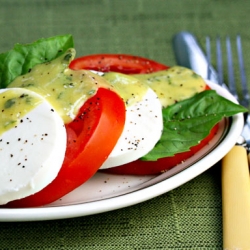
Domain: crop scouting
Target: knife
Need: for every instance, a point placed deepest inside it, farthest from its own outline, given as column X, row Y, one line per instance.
column 235, row 169
column 189, row 54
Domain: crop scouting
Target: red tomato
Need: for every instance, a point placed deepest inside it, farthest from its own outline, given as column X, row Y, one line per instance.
column 128, row 64
column 122, row 63
column 90, row 139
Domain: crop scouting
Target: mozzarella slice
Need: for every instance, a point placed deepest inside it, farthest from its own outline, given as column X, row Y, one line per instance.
column 142, row 130
column 32, row 152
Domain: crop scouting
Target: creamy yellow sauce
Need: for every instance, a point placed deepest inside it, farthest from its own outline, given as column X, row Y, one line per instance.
column 65, row 89
column 128, row 87
column 173, row 85
column 14, row 105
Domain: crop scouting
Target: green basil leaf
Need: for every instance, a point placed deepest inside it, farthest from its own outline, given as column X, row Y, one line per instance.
column 187, row 122
column 23, row 57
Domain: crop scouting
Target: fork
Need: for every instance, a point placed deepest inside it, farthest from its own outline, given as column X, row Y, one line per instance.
column 235, row 170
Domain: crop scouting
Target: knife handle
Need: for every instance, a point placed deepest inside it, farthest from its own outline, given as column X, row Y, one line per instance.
column 236, row 199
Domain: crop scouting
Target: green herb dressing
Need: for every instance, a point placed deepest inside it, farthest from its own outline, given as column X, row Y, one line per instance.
column 174, row 84
column 65, row 89
column 14, row 105
column 128, row 87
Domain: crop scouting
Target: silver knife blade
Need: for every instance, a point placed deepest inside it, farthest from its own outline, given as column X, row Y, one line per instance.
column 189, row 54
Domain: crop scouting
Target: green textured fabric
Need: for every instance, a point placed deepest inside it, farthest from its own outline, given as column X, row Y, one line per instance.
column 188, row 217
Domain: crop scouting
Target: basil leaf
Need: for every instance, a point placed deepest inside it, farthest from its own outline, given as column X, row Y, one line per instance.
column 23, row 57
column 187, row 122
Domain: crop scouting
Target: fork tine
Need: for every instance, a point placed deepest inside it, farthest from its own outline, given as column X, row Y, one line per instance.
column 245, row 93
column 245, row 101
column 231, row 80
column 219, row 61
column 208, row 54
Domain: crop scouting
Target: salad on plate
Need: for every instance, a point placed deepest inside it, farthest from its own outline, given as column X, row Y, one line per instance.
column 63, row 118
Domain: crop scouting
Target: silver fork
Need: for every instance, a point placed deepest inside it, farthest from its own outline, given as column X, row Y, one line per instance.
column 235, row 170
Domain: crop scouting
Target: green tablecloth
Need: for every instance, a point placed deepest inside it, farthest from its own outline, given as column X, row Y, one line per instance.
column 188, row 217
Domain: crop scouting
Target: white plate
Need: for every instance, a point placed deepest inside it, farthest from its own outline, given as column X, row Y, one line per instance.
column 106, row 192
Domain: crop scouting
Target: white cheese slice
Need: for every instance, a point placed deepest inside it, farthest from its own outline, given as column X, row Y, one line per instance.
column 142, row 130
column 31, row 154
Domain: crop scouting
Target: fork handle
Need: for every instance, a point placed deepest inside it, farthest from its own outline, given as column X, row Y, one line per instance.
column 236, row 199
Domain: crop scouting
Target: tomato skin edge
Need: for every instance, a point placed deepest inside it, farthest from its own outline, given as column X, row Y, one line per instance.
column 122, row 63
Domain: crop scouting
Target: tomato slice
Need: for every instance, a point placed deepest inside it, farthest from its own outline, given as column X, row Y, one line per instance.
column 90, row 139
column 122, row 63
